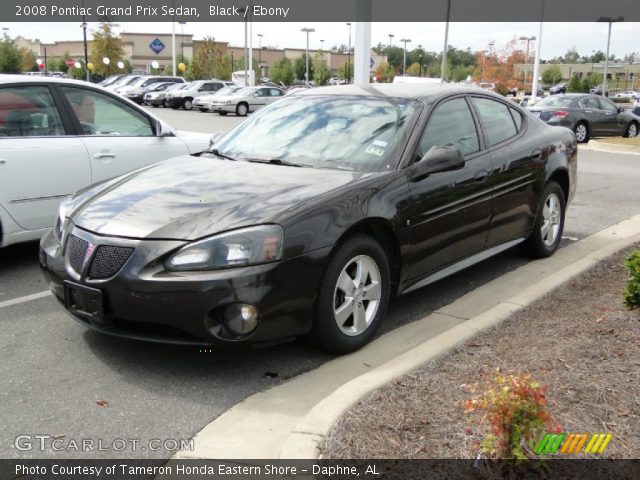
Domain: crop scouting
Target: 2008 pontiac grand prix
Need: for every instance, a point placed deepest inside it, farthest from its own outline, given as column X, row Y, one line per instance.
column 309, row 216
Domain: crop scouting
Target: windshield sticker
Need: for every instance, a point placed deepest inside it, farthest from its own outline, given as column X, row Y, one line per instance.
column 375, row 151
column 380, row 143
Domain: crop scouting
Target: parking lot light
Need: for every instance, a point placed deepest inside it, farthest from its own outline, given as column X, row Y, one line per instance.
column 404, row 55
column 526, row 60
column 308, row 31
column 606, row 58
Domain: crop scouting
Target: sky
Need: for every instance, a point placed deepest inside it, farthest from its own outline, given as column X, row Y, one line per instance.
column 556, row 40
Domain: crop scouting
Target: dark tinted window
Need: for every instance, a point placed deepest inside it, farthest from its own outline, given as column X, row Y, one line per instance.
column 496, row 120
column 28, row 112
column 451, row 124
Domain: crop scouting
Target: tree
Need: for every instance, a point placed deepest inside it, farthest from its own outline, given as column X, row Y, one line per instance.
column 341, row 71
column 300, row 67
column 281, row 71
column 27, row 60
column 209, row 61
column 413, row 70
column 552, row 75
column 571, row 56
column 10, row 59
column 385, row 72
column 106, row 44
column 321, row 72
column 574, row 85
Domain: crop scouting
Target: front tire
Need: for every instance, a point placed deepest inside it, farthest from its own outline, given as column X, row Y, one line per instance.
column 353, row 296
column 549, row 224
column 581, row 131
column 187, row 104
column 632, row 130
column 223, row 114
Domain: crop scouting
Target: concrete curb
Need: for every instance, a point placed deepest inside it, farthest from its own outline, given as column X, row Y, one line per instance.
column 307, row 439
column 606, row 147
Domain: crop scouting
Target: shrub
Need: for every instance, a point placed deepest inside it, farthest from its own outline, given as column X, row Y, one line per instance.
column 515, row 408
column 632, row 292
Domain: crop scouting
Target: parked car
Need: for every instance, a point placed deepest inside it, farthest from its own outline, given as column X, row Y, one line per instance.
column 309, row 216
column 628, row 94
column 204, row 102
column 597, row 90
column 122, row 82
column 559, row 88
column 111, row 79
column 587, row 115
column 135, row 90
column 540, row 92
column 245, row 100
column 184, row 97
column 157, row 98
column 58, row 136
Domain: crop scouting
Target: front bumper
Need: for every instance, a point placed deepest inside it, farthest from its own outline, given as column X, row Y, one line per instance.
column 144, row 301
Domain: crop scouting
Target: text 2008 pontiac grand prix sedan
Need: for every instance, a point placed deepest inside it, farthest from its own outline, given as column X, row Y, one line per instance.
column 308, row 217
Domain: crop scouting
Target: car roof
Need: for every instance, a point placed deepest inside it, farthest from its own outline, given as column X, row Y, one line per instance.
column 397, row 90
column 9, row 78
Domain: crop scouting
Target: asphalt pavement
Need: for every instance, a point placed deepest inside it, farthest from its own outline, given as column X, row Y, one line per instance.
column 63, row 381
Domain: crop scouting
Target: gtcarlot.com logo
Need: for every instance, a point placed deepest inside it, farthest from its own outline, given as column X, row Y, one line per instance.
column 572, row 443
column 59, row 443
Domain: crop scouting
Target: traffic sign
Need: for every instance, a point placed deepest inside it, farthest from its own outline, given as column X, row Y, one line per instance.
column 70, row 62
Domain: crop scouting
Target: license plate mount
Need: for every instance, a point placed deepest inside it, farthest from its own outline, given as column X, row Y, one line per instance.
column 84, row 301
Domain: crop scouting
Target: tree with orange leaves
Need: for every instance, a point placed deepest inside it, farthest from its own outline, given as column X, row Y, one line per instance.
column 499, row 67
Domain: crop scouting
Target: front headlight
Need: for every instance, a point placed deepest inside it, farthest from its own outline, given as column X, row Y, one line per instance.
column 62, row 215
column 245, row 246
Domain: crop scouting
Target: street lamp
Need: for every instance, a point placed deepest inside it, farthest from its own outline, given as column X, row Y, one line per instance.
column 349, row 56
column 420, row 59
column 308, row 31
column 609, row 20
column 321, row 45
column 232, row 66
column 391, row 35
column 260, row 35
column 404, row 56
column 526, row 61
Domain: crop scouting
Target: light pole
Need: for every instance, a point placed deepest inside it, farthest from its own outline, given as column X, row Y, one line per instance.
column 443, row 67
column 321, row 45
column 526, row 61
column 260, row 35
column 606, row 59
column 420, row 59
column 308, row 31
column 391, row 35
column 404, row 55
column 349, row 56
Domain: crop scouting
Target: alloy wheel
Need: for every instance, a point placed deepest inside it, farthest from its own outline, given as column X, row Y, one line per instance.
column 551, row 216
column 581, row 132
column 357, row 295
column 632, row 131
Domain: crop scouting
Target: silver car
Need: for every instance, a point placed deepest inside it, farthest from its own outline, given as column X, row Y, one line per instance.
column 245, row 100
column 184, row 98
column 204, row 102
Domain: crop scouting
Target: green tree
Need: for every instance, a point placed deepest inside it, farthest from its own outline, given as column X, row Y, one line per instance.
column 300, row 67
column 341, row 71
column 106, row 44
column 385, row 72
column 239, row 65
column 413, row 70
column 574, row 85
column 552, row 75
column 10, row 59
column 321, row 72
column 209, row 61
column 28, row 60
column 281, row 71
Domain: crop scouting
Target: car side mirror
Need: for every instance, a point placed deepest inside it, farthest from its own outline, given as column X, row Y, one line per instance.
column 620, row 109
column 163, row 130
column 438, row 159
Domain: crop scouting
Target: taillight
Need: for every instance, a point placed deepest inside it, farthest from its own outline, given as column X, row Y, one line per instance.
column 560, row 114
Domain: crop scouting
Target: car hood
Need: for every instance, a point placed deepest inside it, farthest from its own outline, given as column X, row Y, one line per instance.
column 187, row 198
column 196, row 142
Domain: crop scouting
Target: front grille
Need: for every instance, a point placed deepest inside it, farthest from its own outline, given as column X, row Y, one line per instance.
column 76, row 251
column 108, row 261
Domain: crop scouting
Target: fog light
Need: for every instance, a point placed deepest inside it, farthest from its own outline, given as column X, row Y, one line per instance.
column 241, row 318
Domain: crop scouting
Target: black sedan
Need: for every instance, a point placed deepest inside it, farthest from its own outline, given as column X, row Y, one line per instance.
column 587, row 115
column 306, row 219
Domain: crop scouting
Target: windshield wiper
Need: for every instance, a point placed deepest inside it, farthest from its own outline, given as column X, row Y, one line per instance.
column 278, row 161
column 216, row 152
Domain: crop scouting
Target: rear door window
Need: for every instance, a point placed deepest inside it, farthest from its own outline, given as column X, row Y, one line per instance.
column 28, row 111
column 497, row 122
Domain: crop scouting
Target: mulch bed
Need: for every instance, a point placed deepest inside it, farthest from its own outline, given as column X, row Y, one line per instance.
column 580, row 340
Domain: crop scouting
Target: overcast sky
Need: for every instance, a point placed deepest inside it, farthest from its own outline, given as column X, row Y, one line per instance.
column 557, row 37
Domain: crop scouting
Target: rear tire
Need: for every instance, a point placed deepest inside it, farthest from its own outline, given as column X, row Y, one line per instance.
column 187, row 104
column 632, row 130
column 581, row 131
column 549, row 224
column 203, row 110
column 224, row 114
column 353, row 296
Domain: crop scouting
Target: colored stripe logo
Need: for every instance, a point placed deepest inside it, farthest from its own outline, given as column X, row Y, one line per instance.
column 572, row 443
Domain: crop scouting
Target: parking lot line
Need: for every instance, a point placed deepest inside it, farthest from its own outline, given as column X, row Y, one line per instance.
column 26, row 298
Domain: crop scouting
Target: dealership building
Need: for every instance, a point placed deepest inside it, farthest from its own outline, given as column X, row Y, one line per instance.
column 141, row 49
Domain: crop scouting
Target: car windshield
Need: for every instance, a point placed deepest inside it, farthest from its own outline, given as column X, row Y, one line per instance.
column 342, row 132
column 556, row 101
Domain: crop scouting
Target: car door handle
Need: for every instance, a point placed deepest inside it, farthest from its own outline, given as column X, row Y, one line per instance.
column 536, row 155
column 2, row 161
column 481, row 176
column 100, row 156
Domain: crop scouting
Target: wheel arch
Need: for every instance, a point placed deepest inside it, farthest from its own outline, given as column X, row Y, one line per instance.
column 381, row 231
column 561, row 177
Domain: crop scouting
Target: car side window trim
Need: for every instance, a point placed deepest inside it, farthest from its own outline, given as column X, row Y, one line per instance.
column 77, row 128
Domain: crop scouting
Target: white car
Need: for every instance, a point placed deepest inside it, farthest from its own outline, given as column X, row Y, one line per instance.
column 245, row 100
column 204, row 102
column 629, row 94
column 58, row 136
